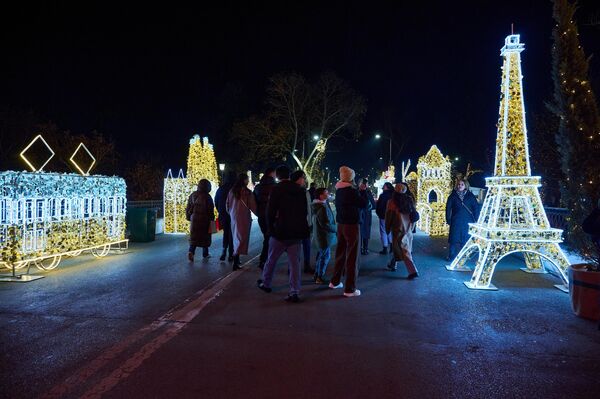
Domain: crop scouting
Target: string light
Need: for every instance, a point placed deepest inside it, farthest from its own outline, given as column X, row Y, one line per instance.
column 512, row 218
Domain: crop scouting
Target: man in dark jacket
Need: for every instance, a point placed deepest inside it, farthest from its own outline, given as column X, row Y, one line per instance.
column 224, row 218
column 287, row 226
column 348, row 202
column 262, row 191
column 382, row 201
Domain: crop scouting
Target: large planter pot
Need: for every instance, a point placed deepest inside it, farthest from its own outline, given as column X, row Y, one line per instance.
column 584, row 288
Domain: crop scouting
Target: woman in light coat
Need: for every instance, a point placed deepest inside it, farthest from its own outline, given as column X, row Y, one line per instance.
column 240, row 206
column 397, row 222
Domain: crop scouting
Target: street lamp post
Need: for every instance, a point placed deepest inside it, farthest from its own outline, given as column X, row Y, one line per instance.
column 222, row 169
column 378, row 136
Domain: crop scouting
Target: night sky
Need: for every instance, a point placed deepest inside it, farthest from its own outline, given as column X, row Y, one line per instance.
column 153, row 76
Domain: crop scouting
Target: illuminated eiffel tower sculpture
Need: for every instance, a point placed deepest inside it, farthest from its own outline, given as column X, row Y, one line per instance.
column 512, row 218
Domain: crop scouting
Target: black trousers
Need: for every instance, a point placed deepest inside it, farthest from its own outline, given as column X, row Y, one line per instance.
column 225, row 223
column 264, row 253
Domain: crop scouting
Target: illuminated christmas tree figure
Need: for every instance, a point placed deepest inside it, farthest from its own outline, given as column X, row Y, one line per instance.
column 201, row 161
column 201, row 165
column 512, row 218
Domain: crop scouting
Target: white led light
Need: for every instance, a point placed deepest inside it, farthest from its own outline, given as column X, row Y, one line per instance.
column 22, row 154
column 512, row 217
column 72, row 159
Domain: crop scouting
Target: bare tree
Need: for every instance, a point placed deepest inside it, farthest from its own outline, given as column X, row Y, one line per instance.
column 296, row 112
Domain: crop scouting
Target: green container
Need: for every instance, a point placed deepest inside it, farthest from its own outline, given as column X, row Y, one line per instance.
column 141, row 223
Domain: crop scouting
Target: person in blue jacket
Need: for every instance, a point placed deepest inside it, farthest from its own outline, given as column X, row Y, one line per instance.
column 462, row 208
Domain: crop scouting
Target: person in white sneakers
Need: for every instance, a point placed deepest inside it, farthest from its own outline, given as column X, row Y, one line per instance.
column 348, row 202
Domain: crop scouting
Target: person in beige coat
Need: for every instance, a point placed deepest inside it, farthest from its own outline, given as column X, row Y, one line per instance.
column 398, row 223
column 240, row 206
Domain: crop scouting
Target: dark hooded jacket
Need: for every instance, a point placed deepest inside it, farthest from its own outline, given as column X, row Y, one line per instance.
column 262, row 191
column 382, row 202
column 221, row 202
column 287, row 212
column 348, row 202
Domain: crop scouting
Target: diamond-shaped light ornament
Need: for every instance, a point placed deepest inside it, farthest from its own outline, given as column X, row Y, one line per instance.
column 72, row 159
column 22, row 154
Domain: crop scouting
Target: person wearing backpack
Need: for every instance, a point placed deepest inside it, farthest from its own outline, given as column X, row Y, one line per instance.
column 400, row 218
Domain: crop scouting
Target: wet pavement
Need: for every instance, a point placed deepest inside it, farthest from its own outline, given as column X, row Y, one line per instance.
column 147, row 324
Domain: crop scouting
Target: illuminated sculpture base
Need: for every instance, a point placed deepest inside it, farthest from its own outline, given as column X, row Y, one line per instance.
column 23, row 278
column 458, row 268
column 51, row 261
column 512, row 220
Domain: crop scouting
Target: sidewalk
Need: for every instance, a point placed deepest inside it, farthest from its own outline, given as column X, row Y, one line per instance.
column 428, row 338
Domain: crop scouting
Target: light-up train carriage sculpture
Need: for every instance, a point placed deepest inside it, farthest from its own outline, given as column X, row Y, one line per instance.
column 45, row 217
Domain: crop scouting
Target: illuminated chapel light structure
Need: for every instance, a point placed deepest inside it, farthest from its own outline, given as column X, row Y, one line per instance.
column 46, row 216
column 433, row 188
column 512, row 218
column 201, row 164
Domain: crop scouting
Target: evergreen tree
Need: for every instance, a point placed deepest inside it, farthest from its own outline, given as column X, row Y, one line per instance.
column 578, row 135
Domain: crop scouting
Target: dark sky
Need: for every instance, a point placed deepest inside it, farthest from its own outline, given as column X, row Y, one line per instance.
column 151, row 76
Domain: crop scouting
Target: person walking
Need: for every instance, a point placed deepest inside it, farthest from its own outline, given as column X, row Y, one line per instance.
column 200, row 211
column 287, row 225
column 366, row 217
column 462, row 208
column 398, row 223
column 262, row 191
column 325, row 231
column 224, row 218
column 380, row 207
column 348, row 202
column 299, row 177
column 240, row 205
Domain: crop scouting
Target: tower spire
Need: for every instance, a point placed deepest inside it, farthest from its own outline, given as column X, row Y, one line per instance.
column 512, row 152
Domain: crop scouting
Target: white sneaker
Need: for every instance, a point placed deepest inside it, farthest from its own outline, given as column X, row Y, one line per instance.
column 355, row 293
column 340, row 285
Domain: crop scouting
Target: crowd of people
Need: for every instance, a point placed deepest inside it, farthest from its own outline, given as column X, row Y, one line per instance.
column 293, row 218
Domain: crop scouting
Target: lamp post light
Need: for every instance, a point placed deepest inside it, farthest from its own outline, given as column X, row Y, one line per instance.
column 222, row 169
column 379, row 136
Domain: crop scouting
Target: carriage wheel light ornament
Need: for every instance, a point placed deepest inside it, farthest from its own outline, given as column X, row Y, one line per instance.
column 72, row 159
column 512, row 218
column 22, row 154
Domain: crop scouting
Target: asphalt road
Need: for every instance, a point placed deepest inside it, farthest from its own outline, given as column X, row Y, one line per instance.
column 147, row 323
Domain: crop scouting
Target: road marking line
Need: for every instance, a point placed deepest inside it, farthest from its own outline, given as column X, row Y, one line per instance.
column 176, row 318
